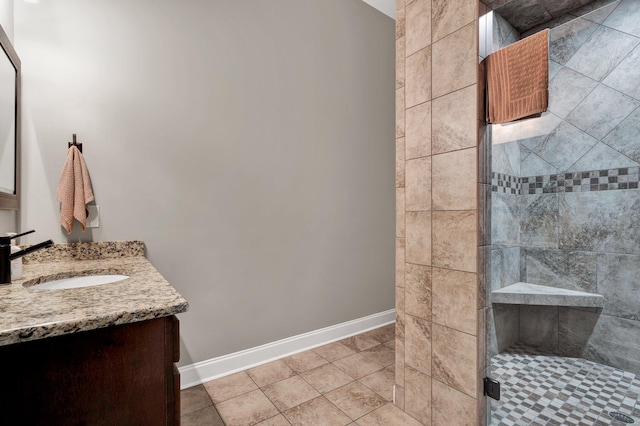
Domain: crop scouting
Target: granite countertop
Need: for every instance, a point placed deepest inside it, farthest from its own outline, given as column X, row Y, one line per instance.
column 27, row 313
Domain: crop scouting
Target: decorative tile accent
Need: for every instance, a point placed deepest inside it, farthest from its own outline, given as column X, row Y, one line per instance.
column 506, row 184
column 585, row 181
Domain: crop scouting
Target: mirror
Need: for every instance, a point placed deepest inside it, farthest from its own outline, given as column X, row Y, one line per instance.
column 9, row 125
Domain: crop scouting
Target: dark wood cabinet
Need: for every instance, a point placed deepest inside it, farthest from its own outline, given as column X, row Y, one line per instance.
column 120, row 375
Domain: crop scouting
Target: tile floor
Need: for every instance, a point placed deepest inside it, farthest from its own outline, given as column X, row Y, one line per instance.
column 349, row 382
column 540, row 388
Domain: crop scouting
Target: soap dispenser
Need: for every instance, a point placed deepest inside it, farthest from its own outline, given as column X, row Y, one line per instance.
column 16, row 264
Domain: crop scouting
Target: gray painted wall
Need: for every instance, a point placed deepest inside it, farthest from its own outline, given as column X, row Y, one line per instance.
column 8, row 221
column 575, row 224
column 249, row 144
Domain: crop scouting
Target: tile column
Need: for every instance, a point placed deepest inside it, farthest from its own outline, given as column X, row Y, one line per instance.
column 439, row 305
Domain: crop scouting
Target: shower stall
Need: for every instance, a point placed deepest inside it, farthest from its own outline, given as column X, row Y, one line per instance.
column 563, row 266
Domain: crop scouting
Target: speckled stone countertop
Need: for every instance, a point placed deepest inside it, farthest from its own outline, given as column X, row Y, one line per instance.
column 27, row 313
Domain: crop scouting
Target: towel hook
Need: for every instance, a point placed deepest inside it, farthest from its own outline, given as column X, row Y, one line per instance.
column 76, row 144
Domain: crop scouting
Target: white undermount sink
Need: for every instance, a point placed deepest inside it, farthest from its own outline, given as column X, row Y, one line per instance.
column 80, row 281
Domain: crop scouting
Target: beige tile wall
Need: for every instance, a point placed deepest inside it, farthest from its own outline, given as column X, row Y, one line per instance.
column 439, row 305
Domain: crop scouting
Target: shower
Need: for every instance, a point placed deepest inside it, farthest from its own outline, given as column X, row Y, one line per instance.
column 563, row 326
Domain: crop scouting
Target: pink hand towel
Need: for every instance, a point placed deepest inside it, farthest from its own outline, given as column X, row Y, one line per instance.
column 74, row 190
column 518, row 79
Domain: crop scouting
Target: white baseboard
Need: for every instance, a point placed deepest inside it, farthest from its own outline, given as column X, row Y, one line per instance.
column 200, row 372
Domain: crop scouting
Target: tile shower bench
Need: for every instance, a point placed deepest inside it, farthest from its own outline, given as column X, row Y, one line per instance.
column 523, row 293
column 91, row 355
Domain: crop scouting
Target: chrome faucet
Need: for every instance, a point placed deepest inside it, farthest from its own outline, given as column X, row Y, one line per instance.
column 6, row 256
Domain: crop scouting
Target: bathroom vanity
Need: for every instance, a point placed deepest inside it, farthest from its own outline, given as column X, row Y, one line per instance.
column 92, row 355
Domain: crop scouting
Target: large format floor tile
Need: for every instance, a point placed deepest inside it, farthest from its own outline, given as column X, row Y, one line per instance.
column 349, row 382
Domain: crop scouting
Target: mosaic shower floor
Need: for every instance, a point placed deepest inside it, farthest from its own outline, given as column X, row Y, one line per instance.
column 544, row 389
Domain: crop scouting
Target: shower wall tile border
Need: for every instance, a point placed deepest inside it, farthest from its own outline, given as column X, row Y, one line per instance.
column 582, row 181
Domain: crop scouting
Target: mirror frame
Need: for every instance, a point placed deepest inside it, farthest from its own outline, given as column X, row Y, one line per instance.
column 10, row 201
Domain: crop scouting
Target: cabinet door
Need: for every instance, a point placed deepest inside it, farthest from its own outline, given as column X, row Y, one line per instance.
column 111, row 376
column 172, row 355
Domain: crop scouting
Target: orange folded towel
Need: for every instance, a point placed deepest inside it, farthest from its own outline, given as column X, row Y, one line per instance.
column 518, row 79
column 74, row 190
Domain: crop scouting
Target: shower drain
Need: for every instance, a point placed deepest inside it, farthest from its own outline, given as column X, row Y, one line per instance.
column 621, row 417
